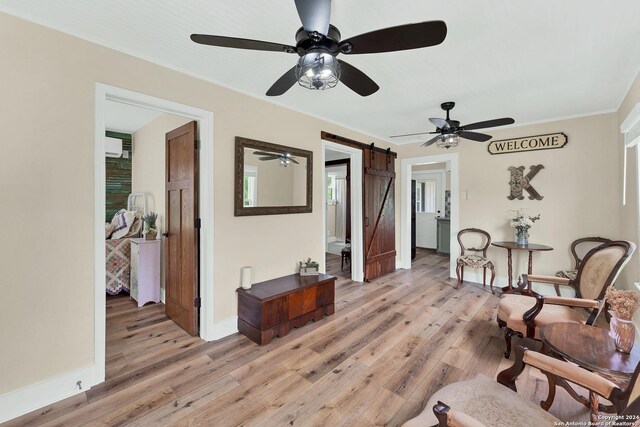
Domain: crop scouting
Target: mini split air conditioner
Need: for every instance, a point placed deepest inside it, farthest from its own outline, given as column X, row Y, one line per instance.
column 113, row 147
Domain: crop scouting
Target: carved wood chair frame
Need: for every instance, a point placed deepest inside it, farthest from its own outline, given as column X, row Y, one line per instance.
column 463, row 249
column 619, row 397
column 529, row 316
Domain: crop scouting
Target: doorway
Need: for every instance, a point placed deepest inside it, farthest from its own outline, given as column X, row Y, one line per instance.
column 430, row 210
column 342, row 213
column 106, row 95
column 429, row 184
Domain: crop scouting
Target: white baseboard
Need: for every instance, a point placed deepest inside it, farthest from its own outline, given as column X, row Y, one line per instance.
column 224, row 328
column 24, row 400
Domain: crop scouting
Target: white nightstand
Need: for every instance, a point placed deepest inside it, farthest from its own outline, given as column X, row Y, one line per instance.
column 145, row 270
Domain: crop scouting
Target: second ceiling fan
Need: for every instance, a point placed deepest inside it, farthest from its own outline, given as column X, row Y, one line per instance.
column 318, row 43
column 449, row 131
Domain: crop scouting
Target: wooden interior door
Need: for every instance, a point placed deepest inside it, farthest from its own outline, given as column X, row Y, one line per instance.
column 182, row 228
column 379, row 213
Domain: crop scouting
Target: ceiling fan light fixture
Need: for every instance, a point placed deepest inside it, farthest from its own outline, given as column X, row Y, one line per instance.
column 448, row 140
column 284, row 161
column 318, row 70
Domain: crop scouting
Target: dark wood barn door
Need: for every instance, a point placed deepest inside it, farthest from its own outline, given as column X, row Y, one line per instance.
column 379, row 213
column 182, row 238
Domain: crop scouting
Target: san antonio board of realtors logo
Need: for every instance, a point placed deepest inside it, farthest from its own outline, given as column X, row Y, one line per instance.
column 529, row 143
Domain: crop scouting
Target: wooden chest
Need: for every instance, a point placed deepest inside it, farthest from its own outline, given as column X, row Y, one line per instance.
column 273, row 307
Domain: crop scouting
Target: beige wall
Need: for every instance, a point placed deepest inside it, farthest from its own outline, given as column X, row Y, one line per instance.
column 580, row 185
column 148, row 166
column 47, row 169
column 629, row 212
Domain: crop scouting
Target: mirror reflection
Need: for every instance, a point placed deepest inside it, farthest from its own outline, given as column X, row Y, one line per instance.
column 271, row 178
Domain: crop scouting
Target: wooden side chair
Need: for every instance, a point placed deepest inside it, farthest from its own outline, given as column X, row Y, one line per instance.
column 525, row 315
column 482, row 401
column 472, row 260
column 579, row 248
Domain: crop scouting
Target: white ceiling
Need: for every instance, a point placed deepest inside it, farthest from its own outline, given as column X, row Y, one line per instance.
column 531, row 60
column 127, row 118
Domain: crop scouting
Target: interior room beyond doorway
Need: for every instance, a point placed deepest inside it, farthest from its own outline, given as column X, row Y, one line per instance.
column 430, row 209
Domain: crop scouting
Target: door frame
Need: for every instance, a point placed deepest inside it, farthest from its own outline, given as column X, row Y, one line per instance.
column 104, row 93
column 405, row 205
column 357, row 234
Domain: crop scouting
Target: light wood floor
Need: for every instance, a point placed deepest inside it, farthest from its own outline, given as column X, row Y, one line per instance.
column 390, row 344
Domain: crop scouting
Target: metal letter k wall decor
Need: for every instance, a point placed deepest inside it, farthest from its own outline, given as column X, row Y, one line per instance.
column 519, row 182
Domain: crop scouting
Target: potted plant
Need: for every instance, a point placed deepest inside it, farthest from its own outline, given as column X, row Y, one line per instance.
column 308, row 267
column 150, row 229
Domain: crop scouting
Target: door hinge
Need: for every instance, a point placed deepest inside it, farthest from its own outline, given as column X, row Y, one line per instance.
column 196, row 144
column 196, row 302
column 197, row 223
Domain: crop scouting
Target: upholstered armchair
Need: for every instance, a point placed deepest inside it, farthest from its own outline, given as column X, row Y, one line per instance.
column 525, row 315
column 579, row 248
column 475, row 260
column 482, row 401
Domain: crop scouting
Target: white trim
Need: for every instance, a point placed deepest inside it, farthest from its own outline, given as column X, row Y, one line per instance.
column 22, row 401
column 405, row 201
column 629, row 122
column 357, row 238
column 632, row 118
column 105, row 93
column 162, row 296
column 224, row 328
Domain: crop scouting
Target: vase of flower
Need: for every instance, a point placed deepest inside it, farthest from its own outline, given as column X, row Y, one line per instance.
column 522, row 224
column 623, row 304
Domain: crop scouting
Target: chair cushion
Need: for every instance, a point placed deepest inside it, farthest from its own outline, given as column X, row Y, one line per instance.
column 512, row 307
column 568, row 274
column 488, row 402
column 474, row 261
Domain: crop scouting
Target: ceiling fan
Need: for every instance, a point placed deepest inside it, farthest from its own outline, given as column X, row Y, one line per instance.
column 318, row 43
column 285, row 159
column 449, row 131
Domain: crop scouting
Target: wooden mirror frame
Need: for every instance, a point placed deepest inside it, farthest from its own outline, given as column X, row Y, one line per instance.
column 239, row 209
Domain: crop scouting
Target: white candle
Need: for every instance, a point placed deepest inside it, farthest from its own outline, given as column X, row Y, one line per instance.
column 246, row 277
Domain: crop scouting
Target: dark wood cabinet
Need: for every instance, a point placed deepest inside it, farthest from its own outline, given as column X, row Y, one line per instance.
column 273, row 307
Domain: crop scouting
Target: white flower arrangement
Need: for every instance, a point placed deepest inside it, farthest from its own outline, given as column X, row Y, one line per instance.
column 522, row 222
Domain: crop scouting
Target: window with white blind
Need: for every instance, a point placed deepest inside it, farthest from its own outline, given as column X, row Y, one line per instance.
column 426, row 196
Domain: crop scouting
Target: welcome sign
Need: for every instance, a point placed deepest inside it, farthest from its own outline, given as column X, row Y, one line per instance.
column 529, row 143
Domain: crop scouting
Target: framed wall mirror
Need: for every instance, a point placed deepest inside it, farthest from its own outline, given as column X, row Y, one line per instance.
column 271, row 179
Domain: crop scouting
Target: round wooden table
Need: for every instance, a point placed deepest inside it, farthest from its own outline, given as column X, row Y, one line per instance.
column 592, row 348
column 513, row 246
